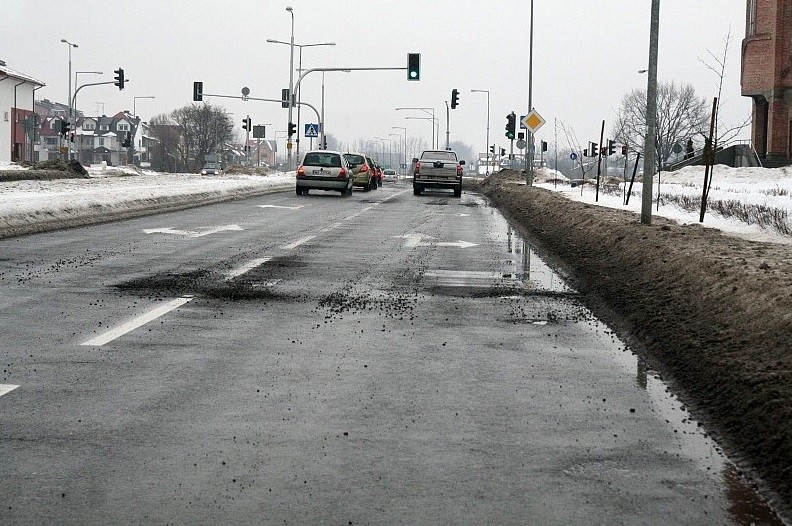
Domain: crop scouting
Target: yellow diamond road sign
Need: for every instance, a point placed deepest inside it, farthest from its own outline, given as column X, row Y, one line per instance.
column 533, row 121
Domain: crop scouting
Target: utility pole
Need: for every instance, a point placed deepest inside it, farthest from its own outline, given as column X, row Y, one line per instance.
column 651, row 117
column 448, row 116
column 529, row 158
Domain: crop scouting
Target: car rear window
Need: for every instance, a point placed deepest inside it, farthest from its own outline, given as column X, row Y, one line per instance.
column 325, row 160
column 354, row 160
column 440, row 156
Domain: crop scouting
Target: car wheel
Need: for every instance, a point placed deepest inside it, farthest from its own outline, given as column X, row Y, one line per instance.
column 458, row 192
column 379, row 182
column 416, row 189
column 349, row 190
column 299, row 191
column 367, row 187
column 305, row 191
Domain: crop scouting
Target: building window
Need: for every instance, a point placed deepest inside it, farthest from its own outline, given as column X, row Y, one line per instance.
column 104, row 127
column 99, row 142
column 123, row 127
column 52, row 141
column 89, row 126
column 751, row 18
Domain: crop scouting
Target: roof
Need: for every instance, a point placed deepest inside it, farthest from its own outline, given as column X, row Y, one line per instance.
column 5, row 71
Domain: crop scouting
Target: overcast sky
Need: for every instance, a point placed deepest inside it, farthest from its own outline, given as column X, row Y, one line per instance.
column 587, row 54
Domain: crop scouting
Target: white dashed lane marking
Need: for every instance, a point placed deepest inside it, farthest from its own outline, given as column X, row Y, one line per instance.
column 297, row 243
column 141, row 320
column 247, row 267
column 7, row 388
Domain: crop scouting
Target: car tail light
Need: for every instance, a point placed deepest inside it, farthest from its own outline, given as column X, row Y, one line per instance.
column 417, row 167
column 365, row 168
column 301, row 171
column 459, row 170
column 342, row 174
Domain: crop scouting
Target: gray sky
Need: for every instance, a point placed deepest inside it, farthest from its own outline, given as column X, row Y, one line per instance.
column 586, row 57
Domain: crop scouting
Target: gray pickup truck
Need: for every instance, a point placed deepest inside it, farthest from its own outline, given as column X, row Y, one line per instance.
column 437, row 169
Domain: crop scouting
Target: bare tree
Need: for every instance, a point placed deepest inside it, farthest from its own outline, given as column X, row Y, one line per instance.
column 717, row 64
column 205, row 129
column 168, row 138
column 681, row 115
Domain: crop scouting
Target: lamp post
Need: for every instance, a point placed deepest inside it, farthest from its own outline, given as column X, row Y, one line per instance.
column 488, row 125
column 435, row 124
column 429, row 111
column 291, row 88
column 134, row 101
column 69, row 116
column 651, row 117
column 390, row 155
column 404, row 152
column 299, row 68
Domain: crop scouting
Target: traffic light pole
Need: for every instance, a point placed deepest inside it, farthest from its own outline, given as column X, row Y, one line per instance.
column 307, row 71
column 448, row 116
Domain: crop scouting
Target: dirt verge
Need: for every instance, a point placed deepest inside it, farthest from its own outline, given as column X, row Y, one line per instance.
column 712, row 313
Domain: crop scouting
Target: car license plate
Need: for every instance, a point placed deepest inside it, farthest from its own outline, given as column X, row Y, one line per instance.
column 320, row 172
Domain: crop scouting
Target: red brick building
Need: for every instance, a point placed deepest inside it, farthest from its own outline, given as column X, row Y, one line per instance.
column 767, row 77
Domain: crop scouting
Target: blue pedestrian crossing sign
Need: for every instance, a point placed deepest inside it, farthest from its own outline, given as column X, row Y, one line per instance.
column 312, row 130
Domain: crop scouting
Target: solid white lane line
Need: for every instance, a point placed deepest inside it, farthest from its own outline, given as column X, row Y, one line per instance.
column 7, row 388
column 297, row 243
column 247, row 267
column 141, row 320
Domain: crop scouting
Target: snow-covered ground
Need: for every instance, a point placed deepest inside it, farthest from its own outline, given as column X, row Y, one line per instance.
column 770, row 188
column 115, row 188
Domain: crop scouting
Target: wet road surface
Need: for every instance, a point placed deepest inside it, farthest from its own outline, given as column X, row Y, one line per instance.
column 379, row 359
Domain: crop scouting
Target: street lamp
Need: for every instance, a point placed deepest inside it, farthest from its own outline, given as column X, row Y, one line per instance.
column 69, row 117
column 134, row 101
column 291, row 87
column 488, row 125
column 435, row 124
column 390, row 155
column 429, row 111
column 299, row 68
column 404, row 152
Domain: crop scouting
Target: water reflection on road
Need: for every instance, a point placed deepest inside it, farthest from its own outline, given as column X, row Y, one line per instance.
column 747, row 506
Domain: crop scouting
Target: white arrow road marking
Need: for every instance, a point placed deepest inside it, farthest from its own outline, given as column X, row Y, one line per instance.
column 217, row 229
column 192, row 233
column 457, row 244
column 417, row 240
column 247, row 267
column 463, row 215
column 141, row 320
column 280, row 206
column 297, row 243
column 7, row 388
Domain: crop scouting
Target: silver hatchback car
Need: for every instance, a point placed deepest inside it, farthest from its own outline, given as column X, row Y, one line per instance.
column 324, row 170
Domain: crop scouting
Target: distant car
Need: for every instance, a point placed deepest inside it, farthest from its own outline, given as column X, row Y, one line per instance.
column 362, row 172
column 211, row 169
column 377, row 172
column 390, row 175
column 324, row 170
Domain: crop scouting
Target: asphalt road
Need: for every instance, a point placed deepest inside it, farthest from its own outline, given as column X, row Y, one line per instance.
column 377, row 359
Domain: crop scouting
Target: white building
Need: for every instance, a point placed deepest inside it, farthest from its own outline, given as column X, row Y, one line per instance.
column 17, row 122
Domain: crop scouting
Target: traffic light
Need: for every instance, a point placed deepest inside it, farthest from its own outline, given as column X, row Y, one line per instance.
column 197, row 91
column 511, row 124
column 292, row 129
column 246, row 124
column 585, row 152
column 492, row 149
column 413, row 66
column 119, row 78
column 454, row 98
column 624, row 149
column 64, row 128
column 593, row 149
column 503, row 152
column 611, row 147
column 285, row 98
column 544, row 146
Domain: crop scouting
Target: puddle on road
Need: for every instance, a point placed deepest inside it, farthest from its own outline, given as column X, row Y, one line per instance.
column 533, row 277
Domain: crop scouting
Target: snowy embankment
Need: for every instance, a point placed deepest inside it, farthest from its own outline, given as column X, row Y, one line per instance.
column 36, row 206
column 751, row 203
